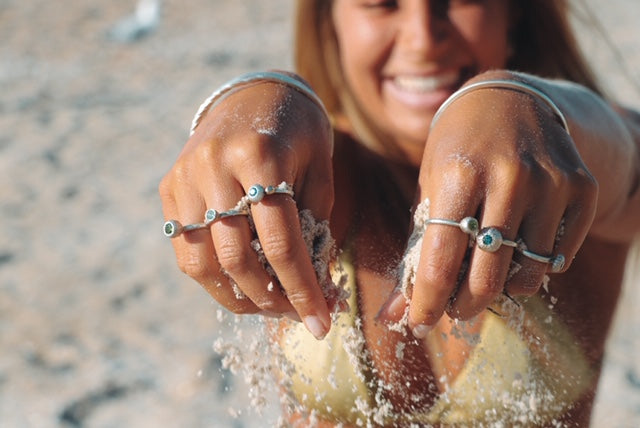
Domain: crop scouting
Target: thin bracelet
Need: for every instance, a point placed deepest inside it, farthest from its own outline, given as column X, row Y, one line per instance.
column 503, row 84
column 261, row 76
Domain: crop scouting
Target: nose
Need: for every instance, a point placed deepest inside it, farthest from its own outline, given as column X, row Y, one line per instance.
column 424, row 27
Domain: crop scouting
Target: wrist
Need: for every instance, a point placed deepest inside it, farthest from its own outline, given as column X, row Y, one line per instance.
column 503, row 81
column 243, row 81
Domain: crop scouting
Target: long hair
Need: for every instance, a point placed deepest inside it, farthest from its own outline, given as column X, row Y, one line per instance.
column 542, row 40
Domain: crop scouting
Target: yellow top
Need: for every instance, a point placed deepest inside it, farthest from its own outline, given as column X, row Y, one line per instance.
column 526, row 369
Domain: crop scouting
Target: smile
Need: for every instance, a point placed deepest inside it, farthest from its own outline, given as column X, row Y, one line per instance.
column 426, row 83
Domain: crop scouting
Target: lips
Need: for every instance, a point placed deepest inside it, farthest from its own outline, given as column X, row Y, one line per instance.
column 420, row 92
column 420, row 84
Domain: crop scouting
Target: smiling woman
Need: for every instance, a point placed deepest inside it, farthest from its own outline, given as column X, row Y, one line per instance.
column 492, row 303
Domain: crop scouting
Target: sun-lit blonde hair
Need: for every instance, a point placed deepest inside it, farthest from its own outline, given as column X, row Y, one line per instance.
column 542, row 41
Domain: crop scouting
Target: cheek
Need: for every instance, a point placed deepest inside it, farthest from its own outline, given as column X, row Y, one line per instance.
column 487, row 39
column 361, row 49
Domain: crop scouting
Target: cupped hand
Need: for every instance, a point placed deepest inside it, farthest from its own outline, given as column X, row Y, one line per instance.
column 266, row 134
column 501, row 157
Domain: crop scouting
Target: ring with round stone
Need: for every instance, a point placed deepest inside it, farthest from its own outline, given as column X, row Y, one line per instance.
column 490, row 239
column 468, row 225
column 174, row 228
column 257, row 192
column 557, row 262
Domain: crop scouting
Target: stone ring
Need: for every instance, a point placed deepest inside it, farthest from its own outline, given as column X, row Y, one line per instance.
column 557, row 262
column 173, row 228
column 257, row 192
column 468, row 225
column 490, row 239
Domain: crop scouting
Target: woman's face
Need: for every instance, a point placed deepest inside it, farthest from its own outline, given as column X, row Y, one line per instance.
column 403, row 58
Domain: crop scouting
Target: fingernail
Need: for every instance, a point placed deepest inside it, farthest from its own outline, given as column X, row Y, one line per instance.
column 293, row 316
column 341, row 306
column 421, row 330
column 315, row 327
column 393, row 309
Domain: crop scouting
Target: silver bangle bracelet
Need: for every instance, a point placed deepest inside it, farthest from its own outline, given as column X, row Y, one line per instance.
column 262, row 76
column 503, row 84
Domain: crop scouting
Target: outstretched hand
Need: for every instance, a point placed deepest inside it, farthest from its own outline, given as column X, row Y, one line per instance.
column 265, row 134
column 501, row 157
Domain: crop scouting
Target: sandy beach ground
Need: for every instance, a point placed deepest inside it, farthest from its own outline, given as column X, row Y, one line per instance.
column 98, row 328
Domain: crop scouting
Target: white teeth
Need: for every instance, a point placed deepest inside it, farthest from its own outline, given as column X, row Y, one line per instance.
column 426, row 83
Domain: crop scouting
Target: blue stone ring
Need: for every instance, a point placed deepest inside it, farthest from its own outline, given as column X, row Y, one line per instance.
column 257, row 192
column 490, row 239
column 173, row 228
column 557, row 262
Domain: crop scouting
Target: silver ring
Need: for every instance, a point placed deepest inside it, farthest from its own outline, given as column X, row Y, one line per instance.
column 232, row 213
column 257, row 191
column 490, row 239
column 468, row 225
column 174, row 228
column 557, row 262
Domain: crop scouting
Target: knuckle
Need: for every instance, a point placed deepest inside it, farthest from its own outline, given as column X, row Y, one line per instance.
column 485, row 285
column 515, row 177
column 240, row 307
column 260, row 151
column 426, row 316
column 192, row 265
column 586, row 183
column 440, row 273
column 206, row 153
column 301, row 298
column 232, row 256
column 486, row 290
column 180, row 173
column 269, row 305
column 279, row 248
column 165, row 189
column 461, row 170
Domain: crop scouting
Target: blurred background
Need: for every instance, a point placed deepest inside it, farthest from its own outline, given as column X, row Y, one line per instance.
column 98, row 328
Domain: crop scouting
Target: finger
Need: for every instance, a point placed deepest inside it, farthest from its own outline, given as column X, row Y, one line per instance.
column 537, row 232
column 443, row 249
column 195, row 252
column 315, row 191
column 238, row 258
column 278, row 226
column 489, row 262
column 577, row 220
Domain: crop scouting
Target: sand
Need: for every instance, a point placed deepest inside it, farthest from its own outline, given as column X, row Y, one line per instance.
column 98, row 328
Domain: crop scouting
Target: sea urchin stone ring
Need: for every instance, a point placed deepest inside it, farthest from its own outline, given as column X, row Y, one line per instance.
column 557, row 262
column 490, row 239
column 173, row 228
column 257, row 192
column 468, row 225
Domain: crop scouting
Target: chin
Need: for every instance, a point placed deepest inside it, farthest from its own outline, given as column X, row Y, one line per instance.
column 414, row 134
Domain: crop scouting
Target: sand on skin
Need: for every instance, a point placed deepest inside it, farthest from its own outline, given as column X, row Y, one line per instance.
column 97, row 325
